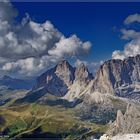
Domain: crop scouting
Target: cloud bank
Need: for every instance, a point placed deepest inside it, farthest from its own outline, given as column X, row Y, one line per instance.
column 28, row 47
column 132, row 48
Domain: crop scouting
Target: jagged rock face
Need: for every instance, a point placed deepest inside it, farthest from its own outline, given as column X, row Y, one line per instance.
column 82, row 79
column 58, row 79
column 116, row 77
column 65, row 72
column 119, row 77
column 82, row 75
column 100, row 108
column 64, row 78
column 127, row 123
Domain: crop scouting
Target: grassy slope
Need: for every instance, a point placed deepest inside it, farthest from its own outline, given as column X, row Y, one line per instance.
column 26, row 120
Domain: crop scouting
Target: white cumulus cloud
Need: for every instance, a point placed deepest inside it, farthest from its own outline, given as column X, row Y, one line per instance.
column 28, row 47
column 71, row 46
column 132, row 18
column 132, row 48
column 129, row 34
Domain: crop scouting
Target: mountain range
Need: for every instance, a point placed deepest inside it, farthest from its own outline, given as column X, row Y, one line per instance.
column 119, row 78
column 16, row 84
column 108, row 98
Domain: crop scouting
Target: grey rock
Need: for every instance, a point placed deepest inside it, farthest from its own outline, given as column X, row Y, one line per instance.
column 121, row 78
column 64, row 79
column 127, row 123
column 57, row 80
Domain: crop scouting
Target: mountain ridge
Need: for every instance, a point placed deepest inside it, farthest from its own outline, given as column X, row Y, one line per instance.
column 16, row 83
column 119, row 77
column 60, row 78
column 115, row 77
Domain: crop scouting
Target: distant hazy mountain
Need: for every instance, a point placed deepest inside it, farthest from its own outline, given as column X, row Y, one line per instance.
column 13, row 83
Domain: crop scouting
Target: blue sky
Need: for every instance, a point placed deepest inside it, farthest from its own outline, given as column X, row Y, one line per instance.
column 37, row 35
column 89, row 21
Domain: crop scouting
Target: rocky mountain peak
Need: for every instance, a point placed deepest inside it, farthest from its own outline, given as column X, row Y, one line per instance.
column 129, row 122
column 58, row 79
column 65, row 72
column 64, row 78
column 116, row 77
column 119, row 77
column 82, row 68
column 82, row 79
column 82, row 74
column 119, row 119
column 63, row 65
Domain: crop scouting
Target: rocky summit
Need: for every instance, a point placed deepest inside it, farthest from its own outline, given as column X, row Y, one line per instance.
column 57, row 80
column 126, row 123
column 115, row 77
column 64, row 79
column 119, row 77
